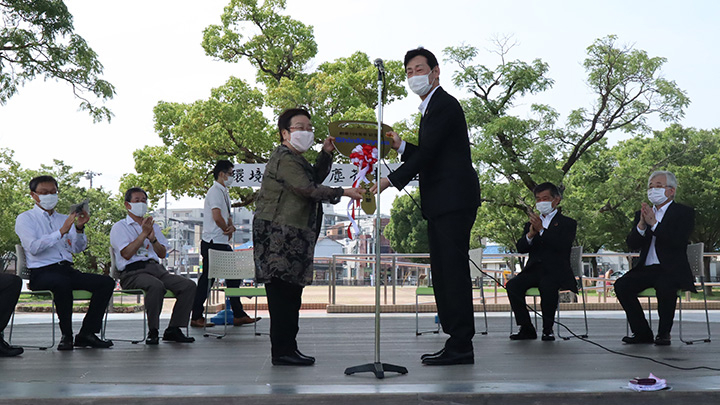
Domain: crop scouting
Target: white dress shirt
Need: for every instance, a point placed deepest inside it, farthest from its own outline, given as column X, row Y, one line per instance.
column 39, row 234
column 217, row 197
column 124, row 232
column 546, row 219
column 652, row 257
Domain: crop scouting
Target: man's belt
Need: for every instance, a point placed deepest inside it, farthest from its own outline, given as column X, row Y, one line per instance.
column 139, row 264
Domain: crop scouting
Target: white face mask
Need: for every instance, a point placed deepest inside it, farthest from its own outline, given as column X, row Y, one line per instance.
column 138, row 209
column 656, row 195
column 302, row 140
column 227, row 182
column 545, row 207
column 420, row 85
column 48, row 201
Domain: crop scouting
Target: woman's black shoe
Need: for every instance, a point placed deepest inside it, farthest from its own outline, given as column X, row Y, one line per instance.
column 292, row 360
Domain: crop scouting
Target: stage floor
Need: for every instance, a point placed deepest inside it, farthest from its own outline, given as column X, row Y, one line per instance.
column 237, row 368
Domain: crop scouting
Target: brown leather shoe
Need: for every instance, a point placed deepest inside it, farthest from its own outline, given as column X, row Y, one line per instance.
column 245, row 320
column 200, row 322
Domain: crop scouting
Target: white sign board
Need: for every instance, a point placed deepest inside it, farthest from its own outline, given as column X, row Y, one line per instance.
column 341, row 175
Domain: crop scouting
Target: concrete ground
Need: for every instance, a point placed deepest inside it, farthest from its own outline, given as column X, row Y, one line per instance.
column 237, row 368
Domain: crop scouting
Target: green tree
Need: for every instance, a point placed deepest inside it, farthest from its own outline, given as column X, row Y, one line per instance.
column 231, row 124
column 611, row 192
column 105, row 208
column 407, row 229
column 515, row 154
column 37, row 38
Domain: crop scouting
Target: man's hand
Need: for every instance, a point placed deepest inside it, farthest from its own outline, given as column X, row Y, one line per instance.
column 354, row 193
column 147, row 227
column 535, row 224
column 384, row 183
column 229, row 230
column 328, row 145
column 82, row 219
column 396, row 141
column 68, row 223
column 647, row 215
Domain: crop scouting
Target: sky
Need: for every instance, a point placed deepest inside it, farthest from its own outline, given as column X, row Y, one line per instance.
column 151, row 52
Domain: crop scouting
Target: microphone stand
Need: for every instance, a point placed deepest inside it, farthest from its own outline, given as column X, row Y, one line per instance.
column 378, row 368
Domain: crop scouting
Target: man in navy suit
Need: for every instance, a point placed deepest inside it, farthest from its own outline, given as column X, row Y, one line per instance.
column 661, row 232
column 449, row 196
column 548, row 239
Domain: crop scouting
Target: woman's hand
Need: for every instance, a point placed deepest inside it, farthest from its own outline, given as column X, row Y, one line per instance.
column 354, row 193
column 328, row 145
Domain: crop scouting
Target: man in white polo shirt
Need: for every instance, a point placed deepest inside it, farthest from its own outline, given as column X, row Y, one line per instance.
column 217, row 232
column 138, row 244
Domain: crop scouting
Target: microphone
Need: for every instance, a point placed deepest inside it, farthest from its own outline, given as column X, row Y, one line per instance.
column 379, row 65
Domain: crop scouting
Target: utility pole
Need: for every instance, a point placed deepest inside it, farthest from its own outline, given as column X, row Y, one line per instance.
column 89, row 174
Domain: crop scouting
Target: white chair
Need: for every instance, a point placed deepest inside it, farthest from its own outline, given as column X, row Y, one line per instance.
column 24, row 273
column 476, row 274
column 234, row 265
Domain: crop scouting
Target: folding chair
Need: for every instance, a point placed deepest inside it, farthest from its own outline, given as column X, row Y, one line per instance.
column 238, row 265
column 576, row 266
column 136, row 292
column 24, row 273
column 475, row 256
column 695, row 259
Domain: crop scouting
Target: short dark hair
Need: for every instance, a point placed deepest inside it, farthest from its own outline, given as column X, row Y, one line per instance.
column 41, row 179
column 287, row 115
column 222, row 166
column 431, row 59
column 554, row 190
column 131, row 191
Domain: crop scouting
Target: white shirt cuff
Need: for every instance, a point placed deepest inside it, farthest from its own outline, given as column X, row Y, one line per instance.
column 401, row 149
column 641, row 231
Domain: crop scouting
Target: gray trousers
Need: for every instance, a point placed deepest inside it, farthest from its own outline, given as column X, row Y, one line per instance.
column 155, row 280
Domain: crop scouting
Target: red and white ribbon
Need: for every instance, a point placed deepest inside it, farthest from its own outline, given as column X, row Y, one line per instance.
column 364, row 157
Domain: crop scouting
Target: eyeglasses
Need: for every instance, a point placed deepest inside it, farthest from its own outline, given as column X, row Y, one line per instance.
column 302, row 128
column 652, row 187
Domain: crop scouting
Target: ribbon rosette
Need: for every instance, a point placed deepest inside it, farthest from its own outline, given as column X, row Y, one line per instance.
column 363, row 156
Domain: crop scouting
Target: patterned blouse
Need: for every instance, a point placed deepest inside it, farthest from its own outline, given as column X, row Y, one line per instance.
column 289, row 214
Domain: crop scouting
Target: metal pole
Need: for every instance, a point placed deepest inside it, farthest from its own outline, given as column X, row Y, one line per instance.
column 378, row 368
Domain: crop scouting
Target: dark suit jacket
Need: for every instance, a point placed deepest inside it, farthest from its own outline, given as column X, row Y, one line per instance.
column 550, row 252
column 448, row 181
column 672, row 235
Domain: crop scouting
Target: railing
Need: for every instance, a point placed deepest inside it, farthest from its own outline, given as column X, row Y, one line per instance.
column 416, row 272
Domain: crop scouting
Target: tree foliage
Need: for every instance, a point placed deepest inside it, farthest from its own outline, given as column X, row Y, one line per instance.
column 37, row 38
column 605, row 192
column 514, row 154
column 105, row 208
column 232, row 123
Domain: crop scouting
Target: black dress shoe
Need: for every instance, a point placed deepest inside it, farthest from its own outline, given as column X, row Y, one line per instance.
column 91, row 340
column 662, row 340
column 525, row 333
column 299, row 354
column 637, row 339
column 448, row 358
column 6, row 350
column 175, row 335
column 153, row 337
column 430, row 355
column 66, row 342
column 548, row 336
column 292, row 360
